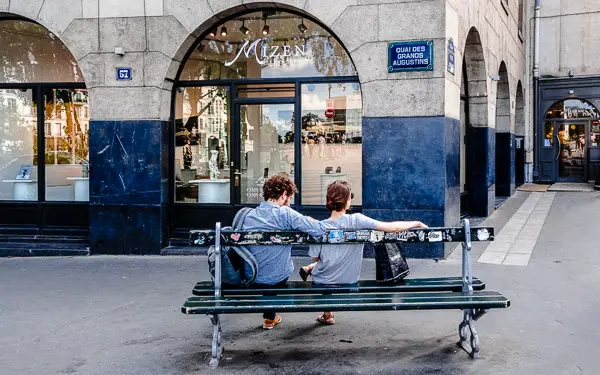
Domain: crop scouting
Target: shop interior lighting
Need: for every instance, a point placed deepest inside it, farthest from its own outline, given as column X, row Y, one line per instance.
column 213, row 32
column 265, row 29
column 302, row 27
column 223, row 31
column 244, row 30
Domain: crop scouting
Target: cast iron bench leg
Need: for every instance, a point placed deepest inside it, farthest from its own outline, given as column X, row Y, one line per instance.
column 217, row 347
column 469, row 317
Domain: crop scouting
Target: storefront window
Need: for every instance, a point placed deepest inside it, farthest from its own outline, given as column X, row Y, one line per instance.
column 66, row 140
column 267, row 147
column 548, row 134
column 18, row 145
column 267, row 44
column 572, row 108
column 202, row 139
column 331, row 139
column 595, row 134
column 31, row 53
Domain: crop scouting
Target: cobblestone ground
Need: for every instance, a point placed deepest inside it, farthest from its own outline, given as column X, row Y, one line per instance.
column 121, row 315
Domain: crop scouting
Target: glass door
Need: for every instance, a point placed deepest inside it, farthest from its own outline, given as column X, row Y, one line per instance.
column 266, row 147
column 571, row 150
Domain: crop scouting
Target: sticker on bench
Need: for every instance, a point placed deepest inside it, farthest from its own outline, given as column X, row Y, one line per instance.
column 434, row 236
column 376, row 236
column 406, row 236
column 336, row 236
column 235, row 236
column 483, row 234
column 350, row 236
column 363, row 235
column 390, row 236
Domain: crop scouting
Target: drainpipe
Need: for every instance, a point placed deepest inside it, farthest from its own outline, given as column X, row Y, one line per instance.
column 536, row 85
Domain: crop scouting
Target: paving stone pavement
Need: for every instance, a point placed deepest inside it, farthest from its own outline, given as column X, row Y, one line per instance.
column 104, row 315
column 515, row 242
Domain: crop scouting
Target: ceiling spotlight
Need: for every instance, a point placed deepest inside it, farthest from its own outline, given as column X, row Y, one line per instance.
column 244, row 30
column 213, row 32
column 223, row 31
column 265, row 29
column 302, row 27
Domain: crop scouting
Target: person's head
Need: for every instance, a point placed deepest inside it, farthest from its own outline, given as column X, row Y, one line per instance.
column 339, row 196
column 279, row 189
column 187, row 141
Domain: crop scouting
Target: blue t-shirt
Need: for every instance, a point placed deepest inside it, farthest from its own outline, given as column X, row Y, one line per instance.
column 275, row 261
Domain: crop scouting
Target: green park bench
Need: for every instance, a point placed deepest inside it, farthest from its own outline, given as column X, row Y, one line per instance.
column 464, row 293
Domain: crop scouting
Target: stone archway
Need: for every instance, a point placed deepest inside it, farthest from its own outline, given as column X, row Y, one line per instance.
column 519, row 137
column 477, row 139
column 505, row 171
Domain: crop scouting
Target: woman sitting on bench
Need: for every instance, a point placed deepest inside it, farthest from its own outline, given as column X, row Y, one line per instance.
column 341, row 264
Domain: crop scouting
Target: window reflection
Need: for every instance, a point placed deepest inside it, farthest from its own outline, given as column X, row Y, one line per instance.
column 549, row 134
column 267, row 146
column 331, row 139
column 66, row 134
column 30, row 53
column 18, row 145
column 202, row 141
column 595, row 134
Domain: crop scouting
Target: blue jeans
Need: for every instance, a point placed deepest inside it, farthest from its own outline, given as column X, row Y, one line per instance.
column 270, row 314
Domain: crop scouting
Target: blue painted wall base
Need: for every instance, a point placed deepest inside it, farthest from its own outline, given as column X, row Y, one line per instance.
column 411, row 171
column 481, row 150
column 505, row 164
column 128, row 186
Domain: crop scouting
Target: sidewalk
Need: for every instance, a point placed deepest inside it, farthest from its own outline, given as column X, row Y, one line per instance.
column 121, row 315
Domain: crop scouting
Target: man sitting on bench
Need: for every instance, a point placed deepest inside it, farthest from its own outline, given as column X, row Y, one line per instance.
column 275, row 262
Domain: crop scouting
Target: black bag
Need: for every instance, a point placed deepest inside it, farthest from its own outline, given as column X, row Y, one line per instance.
column 235, row 260
column 390, row 263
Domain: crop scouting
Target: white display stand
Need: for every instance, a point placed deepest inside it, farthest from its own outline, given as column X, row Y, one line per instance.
column 326, row 179
column 212, row 191
column 82, row 188
column 24, row 190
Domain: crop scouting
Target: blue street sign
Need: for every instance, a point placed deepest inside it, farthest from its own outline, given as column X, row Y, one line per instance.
column 123, row 74
column 410, row 56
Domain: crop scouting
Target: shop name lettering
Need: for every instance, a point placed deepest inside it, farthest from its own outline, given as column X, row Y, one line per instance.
column 410, row 56
column 263, row 52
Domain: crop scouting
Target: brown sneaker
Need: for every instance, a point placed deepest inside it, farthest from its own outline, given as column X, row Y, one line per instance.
column 326, row 318
column 271, row 323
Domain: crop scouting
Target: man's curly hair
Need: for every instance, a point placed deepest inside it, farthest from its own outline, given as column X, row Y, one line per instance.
column 277, row 185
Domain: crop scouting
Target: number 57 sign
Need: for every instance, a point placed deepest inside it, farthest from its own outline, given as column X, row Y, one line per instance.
column 123, row 74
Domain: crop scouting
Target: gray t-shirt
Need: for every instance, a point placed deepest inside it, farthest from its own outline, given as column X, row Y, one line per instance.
column 340, row 264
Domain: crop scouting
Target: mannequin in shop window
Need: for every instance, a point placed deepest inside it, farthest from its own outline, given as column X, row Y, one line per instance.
column 187, row 155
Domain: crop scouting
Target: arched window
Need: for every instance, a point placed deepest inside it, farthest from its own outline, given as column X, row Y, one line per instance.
column 572, row 109
column 44, row 116
column 262, row 93
column 267, row 44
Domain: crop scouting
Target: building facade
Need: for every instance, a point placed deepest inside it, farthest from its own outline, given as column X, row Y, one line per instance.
column 164, row 116
column 566, row 82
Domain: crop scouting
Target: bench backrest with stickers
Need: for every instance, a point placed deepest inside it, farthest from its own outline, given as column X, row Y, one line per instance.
column 464, row 293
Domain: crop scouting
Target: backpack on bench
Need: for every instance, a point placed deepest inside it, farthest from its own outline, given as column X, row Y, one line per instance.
column 235, row 260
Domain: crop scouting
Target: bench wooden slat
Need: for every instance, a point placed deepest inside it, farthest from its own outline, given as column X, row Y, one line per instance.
column 346, row 302
column 434, row 284
column 429, row 235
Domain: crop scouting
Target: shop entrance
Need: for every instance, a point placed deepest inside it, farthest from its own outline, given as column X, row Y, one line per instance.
column 571, row 147
column 570, row 142
column 262, row 93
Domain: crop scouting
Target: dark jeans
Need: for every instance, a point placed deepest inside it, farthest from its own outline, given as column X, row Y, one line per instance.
column 269, row 314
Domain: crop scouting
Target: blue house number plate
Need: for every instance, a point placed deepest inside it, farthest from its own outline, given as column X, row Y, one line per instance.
column 123, row 74
column 410, row 56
